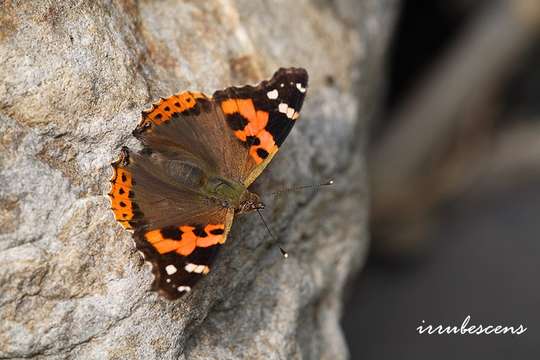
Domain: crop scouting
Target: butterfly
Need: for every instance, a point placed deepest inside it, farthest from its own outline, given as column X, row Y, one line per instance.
column 200, row 154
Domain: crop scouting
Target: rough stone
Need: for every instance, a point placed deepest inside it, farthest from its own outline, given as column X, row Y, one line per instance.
column 74, row 76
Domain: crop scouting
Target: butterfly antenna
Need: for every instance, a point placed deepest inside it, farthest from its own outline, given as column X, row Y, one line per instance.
column 297, row 188
column 283, row 252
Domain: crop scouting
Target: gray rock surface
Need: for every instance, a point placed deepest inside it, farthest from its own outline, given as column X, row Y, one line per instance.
column 74, row 76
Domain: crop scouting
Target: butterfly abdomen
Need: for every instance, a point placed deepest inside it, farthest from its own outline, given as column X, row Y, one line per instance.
column 188, row 174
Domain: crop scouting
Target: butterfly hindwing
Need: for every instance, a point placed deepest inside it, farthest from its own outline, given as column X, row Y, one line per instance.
column 173, row 223
column 154, row 191
column 181, row 255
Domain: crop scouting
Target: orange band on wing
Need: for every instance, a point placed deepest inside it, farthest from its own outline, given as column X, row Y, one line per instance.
column 214, row 236
column 164, row 109
column 184, row 239
column 229, row 106
column 249, row 124
column 246, row 109
column 257, row 124
column 121, row 194
column 265, row 147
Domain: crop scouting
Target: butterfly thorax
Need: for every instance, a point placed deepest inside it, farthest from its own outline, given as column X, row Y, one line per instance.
column 232, row 194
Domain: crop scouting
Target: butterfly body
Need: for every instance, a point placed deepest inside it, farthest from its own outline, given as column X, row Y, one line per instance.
column 200, row 154
column 232, row 195
column 213, row 188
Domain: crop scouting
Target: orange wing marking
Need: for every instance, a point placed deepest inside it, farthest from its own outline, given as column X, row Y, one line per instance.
column 164, row 109
column 261, row 143
column 121, row 194
column 184, row 239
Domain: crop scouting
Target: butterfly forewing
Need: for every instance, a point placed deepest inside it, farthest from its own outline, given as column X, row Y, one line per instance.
column 261, row 117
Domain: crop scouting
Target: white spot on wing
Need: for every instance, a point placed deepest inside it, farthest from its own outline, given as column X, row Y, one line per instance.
column 300, row 88
column 272, row 95
column 190, row 267
column 168, row 280
column 170, row 269
column 290, row 113
column 184, row 288
column 283, row 108
column 198, row 269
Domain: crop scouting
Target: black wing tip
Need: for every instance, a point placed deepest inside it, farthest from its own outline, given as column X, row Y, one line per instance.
column 297, row 73
column 282, row 75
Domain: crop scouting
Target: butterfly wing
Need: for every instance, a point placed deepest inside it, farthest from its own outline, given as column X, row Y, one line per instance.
column 262, row 116
column 175, row 226
column 190, row 126
column 236, row 132
column 176, row 274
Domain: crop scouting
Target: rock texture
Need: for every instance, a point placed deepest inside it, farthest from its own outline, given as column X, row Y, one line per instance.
column 74, row 76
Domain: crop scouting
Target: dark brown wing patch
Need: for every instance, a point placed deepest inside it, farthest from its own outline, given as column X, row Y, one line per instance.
column 155, row 192
column 197, row 135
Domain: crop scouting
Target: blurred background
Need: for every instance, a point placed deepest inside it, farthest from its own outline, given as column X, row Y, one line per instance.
column 455, row 177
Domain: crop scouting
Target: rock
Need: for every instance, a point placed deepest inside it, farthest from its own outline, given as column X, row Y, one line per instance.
column 74, row 77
